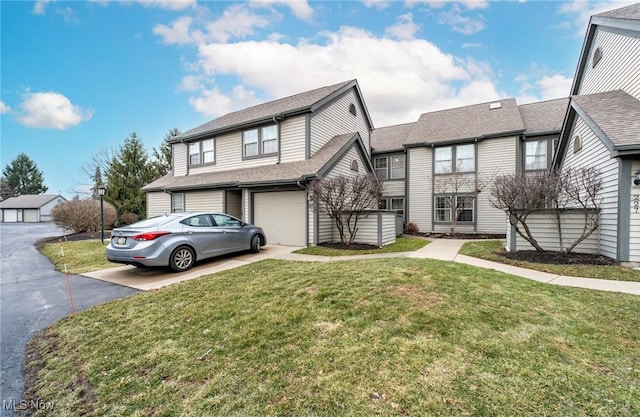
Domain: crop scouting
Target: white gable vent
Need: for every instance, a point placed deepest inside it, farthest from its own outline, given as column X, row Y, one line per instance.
column 496, row 105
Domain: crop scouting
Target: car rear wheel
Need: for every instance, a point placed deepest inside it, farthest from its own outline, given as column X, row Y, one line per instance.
column 182, row 259
column 255, row 244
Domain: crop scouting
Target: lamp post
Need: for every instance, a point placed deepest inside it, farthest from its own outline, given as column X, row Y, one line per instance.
column 101, row 190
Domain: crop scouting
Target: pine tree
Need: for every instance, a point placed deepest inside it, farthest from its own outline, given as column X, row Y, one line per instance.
column 24, row 177
column 162, row 155
column 5, row 189
column 129, row 170
column 97, row 182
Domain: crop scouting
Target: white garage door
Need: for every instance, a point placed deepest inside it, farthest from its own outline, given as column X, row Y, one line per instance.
column 10, row 215
column 30, row 215
column 282, row 216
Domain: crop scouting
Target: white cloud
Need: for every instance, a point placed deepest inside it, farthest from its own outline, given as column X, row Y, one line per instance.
column 470, row 45
column 300, row 8
column 460, row 23
column 39, row 6
column 437, row 4
column 378, row 4
column 403, row 79
column 4, row 108
column 169, row 4
column 580, row 11
column 404, row 29
column 544, row 87
column 50, row 110
column 178, row 32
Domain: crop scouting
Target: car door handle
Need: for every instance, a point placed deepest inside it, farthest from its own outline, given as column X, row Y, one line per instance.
column 189, row 232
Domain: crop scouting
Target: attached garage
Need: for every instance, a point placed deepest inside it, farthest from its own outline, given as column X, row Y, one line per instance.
column 10, row 215
column 282, row 215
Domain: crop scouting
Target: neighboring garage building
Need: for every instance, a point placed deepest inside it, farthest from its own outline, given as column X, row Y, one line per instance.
column 29, row 208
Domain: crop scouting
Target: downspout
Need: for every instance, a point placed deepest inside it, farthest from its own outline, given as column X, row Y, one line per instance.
column 475, row 199
column 433, row 186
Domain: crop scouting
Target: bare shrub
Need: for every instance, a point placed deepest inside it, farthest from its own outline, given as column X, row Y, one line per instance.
column 129, row 218
column 84, row 215
column 411, row 229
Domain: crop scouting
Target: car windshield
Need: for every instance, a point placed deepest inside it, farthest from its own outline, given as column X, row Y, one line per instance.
column 156, row 221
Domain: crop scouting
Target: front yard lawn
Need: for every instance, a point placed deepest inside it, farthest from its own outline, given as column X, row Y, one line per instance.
column 402, row 244
column 80, row 256
column 488, row 250
column 351, row 338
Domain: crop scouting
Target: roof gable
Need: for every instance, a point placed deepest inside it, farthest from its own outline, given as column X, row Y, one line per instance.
column 477, row 121
column 308, row 101
column 29, row 201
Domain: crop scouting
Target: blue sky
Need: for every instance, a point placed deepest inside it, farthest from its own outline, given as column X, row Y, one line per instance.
column 78, row 77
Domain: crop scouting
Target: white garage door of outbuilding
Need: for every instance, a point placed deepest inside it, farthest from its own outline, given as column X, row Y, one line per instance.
column 10, row 215
column 30, row 215
column 282, row 216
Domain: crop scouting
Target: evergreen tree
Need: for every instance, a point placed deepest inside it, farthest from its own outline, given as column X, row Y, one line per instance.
column 129, row 170
column 97, row 182
column 5, row 189
column 162, row 155
column 24, row 177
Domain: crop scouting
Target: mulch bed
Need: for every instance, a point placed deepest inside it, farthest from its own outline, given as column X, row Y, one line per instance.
column 559, row 258
column 347, row 246
column 463, row 235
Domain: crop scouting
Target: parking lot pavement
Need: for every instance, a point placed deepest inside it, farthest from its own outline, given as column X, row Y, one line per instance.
column 153, row 278
column 33, row 296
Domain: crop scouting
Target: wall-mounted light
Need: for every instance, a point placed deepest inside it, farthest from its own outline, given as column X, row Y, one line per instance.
column 636, row 181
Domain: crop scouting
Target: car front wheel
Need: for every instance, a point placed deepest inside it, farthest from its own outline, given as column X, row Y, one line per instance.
column 182, row 259
column 255, row 244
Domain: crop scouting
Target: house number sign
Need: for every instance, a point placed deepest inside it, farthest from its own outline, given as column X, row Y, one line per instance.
column 635, row 202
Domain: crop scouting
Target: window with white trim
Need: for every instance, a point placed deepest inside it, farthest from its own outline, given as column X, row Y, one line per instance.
column 463, row 156
column 444, row 211
column 535, row 155
column 260, row 141
column 202, row 152
column 390, row 167
column 177, row 202
column 397, row 204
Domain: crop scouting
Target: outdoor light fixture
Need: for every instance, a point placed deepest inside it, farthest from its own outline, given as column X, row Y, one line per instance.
column 101, row 190
column 636, row 181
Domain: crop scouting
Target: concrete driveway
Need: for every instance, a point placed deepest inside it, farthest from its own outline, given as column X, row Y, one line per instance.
column 33, row 296
column 154, row 278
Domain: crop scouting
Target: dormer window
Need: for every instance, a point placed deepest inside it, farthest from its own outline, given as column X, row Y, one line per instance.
column 259, row 142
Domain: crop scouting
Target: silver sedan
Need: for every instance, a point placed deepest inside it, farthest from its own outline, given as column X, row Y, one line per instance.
column 178, row 240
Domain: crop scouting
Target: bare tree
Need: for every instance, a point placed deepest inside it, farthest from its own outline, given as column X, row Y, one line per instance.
column 460, row 189
column 557, row 192
column 346, row 199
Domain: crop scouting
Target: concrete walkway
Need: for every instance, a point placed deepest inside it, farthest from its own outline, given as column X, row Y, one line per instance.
column 441, row 249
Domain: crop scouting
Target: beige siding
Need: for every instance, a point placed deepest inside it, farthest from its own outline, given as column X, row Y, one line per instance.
column 395, row 188
column 420, row 189
column 311, row 223
column 544, row 231
column 246, row 200
column 495, row 157
column 180, row 159
column 325, row 228
column 595, row 154
column 158, row 203
column 388, row 228
column 336, row 119
column 343, row 167
column 618, row 68
column 203, row 200
column 367, row 230
column 233, row 203
column 293, row 139
column 634, row 221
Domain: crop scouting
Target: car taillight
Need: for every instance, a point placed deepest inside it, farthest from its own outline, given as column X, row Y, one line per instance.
column 149, row 236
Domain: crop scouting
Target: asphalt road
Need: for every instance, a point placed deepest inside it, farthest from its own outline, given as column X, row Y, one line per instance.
column 33, row 296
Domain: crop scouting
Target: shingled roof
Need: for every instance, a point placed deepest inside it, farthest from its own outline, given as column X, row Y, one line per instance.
column 478, row 121
column 544, row 117
column 28, row 201
column 298, row 103
column 289, row 172
column 390, row 138
column 631, row 12
column 616, row 113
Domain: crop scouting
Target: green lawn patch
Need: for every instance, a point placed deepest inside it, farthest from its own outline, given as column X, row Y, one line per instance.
column 402, row 244
column 368, row 337
column 488, row 250
column 80, row 256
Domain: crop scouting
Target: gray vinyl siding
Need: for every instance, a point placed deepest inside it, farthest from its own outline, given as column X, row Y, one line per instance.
column 544, row 230
column 45, row 210
column 595, row 154
column 203, row 200
column 325, row 228
column 180, row 159
column 618, row 68
column 335, row 119
column 158, row 203
column 420, row 188
column 395, row 188
column 495, row 157
column 634, row 221
column 388, row 228
column 293, row 139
